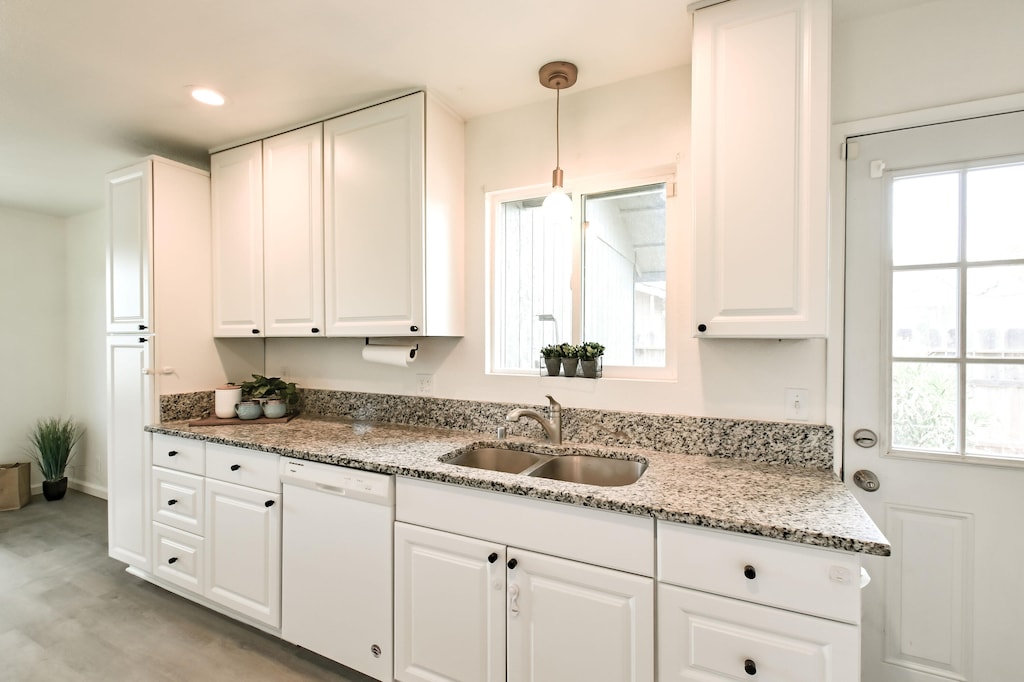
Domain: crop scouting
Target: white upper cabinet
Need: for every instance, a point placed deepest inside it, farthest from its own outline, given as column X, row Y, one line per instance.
column 237, row 216
column 393, row 204
column 760, row 167
column 293, row 233
column 129, row 242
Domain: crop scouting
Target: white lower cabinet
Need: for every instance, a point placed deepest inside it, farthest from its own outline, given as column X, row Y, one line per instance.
column 243, row 550
column 218, row 536
column 482, row 610
column 568, row 620
column 449, row 607
column 704, row 637
column 734, row 607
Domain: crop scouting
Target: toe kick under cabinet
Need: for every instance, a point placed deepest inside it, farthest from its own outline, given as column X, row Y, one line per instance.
column 733, row 607
column 217, row 525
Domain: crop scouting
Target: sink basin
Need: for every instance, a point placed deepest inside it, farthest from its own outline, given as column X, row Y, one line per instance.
column 498, row 459
column 603, row 471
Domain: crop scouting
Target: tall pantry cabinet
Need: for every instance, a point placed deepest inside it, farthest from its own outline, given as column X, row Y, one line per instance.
column 159, row 331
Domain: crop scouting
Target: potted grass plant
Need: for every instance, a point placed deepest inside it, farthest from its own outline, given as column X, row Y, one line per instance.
column 53, row 443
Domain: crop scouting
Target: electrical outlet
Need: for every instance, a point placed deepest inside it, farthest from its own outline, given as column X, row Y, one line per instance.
column 796, row 407
column 426, row 383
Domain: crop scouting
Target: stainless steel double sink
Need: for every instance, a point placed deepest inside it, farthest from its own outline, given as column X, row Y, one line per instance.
column 588, row 469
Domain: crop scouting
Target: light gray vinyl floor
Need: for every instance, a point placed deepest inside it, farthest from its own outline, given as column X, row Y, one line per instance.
column 68, row 612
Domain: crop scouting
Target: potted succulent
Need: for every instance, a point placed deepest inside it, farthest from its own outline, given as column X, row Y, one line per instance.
column 263, row 389
column 570, row 355
column 590, row 359
column 552, row 359
column 53, row 441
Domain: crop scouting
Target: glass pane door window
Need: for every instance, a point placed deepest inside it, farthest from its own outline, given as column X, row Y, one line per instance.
column 957, row 311
column 599, row 275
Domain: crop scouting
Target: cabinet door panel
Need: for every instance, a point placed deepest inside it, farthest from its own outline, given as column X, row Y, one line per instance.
column 243, row 550
column 702, row 638
column 293, row 233
column 129, row 455
column 574, row 621
column 449, row 607
column 130, row 209
column 236, row 201
column 760, row 156
column 373, row 213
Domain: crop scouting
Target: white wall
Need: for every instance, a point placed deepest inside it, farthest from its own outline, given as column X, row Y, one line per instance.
column 85, row 351
column 635, row 125
column 926, row 55
column 33, row 329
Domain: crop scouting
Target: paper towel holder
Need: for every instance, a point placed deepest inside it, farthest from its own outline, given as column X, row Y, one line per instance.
column 412, row 351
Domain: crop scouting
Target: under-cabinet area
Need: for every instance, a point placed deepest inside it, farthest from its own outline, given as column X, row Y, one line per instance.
column 412, row 579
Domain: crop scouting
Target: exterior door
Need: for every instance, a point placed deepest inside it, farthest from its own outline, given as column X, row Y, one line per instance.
column 935, row 370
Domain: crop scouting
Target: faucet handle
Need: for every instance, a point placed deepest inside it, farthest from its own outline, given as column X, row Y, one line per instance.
column 553, row 404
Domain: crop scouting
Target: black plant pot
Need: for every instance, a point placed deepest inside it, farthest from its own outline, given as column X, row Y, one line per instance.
column 55, row 490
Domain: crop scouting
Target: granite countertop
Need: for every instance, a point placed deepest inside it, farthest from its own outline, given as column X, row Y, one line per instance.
column 778, row 501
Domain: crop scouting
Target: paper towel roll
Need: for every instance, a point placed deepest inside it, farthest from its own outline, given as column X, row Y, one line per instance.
column 397, row 356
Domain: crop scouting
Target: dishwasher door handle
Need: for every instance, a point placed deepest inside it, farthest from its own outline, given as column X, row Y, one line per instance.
column 330, row 489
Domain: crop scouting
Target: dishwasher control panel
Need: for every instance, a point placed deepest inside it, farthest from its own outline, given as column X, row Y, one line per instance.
column 338, row 480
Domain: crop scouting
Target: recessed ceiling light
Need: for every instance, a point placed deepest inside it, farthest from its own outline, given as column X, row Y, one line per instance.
column 208, row 96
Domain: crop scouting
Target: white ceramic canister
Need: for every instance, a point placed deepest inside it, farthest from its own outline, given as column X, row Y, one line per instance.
column 224, row 400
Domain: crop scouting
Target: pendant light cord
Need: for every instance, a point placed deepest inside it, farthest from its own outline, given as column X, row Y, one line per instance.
column 558, row 101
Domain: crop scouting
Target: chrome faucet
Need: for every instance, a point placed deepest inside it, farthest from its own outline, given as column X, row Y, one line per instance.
column 552, row 424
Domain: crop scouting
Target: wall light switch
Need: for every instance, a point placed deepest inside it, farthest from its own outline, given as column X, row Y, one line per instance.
column 796, row 407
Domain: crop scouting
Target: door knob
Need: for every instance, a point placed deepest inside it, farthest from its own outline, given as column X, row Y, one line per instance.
column 865, row 438
column 866, row 480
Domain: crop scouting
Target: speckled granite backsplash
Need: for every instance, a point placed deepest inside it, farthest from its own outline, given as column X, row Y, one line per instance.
column 806, row 445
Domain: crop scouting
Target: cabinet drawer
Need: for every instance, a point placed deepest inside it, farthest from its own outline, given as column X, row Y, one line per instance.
column 180, row 454
column 178, row 557
column 178, row 499
column 250, row 468
column 704, row 638
column 801, row 578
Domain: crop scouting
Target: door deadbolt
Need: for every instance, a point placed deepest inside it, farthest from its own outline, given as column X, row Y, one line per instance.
column 866, row 480
column 865, row 438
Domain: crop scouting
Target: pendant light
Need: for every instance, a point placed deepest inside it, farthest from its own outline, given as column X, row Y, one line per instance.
column 558, row 76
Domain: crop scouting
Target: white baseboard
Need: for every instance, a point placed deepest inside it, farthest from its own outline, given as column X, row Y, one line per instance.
column 87, row 488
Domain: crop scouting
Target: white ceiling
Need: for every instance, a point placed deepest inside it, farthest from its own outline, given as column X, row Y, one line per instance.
column 89, row 86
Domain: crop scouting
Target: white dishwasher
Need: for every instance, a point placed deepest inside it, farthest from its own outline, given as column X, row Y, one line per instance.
column 337, row 564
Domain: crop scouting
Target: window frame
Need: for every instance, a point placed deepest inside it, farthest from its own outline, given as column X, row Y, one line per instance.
column 962, row 359
column 577, row 189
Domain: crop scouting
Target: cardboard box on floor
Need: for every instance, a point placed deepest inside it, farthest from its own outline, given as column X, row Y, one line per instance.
column 15, row 490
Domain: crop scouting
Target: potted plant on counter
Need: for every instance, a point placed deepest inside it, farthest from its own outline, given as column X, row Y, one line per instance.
column 570, row 355
column 53, row 441
column 590, row 359
column 265, row 389
column 552, row 359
